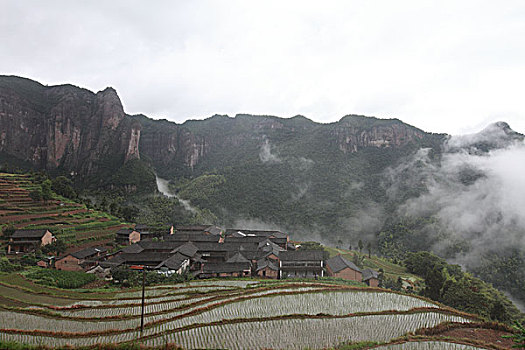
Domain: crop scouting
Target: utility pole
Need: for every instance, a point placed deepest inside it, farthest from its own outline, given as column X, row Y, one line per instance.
column 143, row 268
column 143, row 294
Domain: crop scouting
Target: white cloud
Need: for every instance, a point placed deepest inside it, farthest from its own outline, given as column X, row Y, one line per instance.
column 442, row 66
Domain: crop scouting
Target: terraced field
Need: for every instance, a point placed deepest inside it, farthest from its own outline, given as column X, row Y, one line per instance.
column 70, row 221
column 216, row 314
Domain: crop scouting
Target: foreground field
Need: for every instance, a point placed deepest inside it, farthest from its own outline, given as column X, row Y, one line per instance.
column 245, row 314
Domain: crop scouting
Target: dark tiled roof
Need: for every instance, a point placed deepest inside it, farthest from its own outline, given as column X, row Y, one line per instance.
column 270, row 247
column 159, row 245
column 116, row 261
column 237, row 257
column 191, row 227
column 134, row 248
column 224, row 247
column 369, row 273
column 225, row 267
column 194, row 237
column 260, row 233
column 124, row 231
column 214, row 230
column 188, row 249
column 265, row 263
column 301, row 255
column 84, row 253
column 174, row 262
column 338, row 263
column 29, row 233
column 144, row 257
column 244, row 239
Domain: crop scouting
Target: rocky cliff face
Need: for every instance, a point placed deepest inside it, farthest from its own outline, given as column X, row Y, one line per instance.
column 351, row 139
column 65, row 127
column 72, row 129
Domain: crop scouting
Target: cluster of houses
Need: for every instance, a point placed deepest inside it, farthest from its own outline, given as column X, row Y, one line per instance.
column 204, row 251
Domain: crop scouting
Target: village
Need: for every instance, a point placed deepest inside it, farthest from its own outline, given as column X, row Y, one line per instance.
column 201, row 250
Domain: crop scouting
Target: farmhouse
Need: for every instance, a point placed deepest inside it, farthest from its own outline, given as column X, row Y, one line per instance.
column 29, row 240
column 127, row 236
column 81, row 259
column 301, row 263
column 342, row 268
column 371, row 277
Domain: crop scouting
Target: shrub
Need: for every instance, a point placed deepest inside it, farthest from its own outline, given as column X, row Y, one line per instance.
column 61, row 279
column 6, row 266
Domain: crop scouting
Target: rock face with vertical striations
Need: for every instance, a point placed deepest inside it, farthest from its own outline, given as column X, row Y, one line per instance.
column 65, row 127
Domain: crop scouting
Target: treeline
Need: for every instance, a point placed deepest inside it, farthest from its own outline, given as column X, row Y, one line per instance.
column 451, row 286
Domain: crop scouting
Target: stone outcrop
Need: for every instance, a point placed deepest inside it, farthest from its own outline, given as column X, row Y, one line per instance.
column 65, row 127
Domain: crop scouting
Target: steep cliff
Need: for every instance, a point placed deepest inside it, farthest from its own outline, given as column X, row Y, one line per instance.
column 65, row 128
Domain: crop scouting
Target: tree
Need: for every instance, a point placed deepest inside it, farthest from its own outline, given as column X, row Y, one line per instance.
column 381, row 278
column 57, row 247
column 8, row 231
column 360, row 245
column 63, row 186
column 47, row 193
column 339, row 244
column 358, row 260
column 434, row 282
column 36, row 194
column 369, row 248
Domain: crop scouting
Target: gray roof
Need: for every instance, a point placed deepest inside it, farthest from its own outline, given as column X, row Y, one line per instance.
column 188, row 249
column 160, row 245
column 174, row 262
column 260, row 233
column 214, row 230
column 29, row 233
column 133, row 248
column 237, row 257
column 124, row 231
column 270, row 247
column 144, row 257
column 338, row 263
column 85, row 253
column 194, row 237
column 116, row 261
column 266, row 263
column 225, row 267
column 191, row 228
column 301, row 255
column 369, row 273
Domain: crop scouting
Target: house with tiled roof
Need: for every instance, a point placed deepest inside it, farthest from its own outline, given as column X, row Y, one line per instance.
column 22, row 241
column 371, row 277
column 80, row 260
column 301, row 264
column 127, row 236
column 340, row 267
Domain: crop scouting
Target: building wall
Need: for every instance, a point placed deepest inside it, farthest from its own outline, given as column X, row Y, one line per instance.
column 68, row 263
column 134, row 237
column 373, row 282
column 347, row 274
column 269, row 273
column 48, row 238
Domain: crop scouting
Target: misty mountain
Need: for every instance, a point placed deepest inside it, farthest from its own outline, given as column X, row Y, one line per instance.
column 361, row 178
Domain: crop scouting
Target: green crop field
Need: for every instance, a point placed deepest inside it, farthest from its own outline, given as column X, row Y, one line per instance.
column 243, row 314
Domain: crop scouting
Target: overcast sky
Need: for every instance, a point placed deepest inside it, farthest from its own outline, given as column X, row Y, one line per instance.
column 443, row 66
